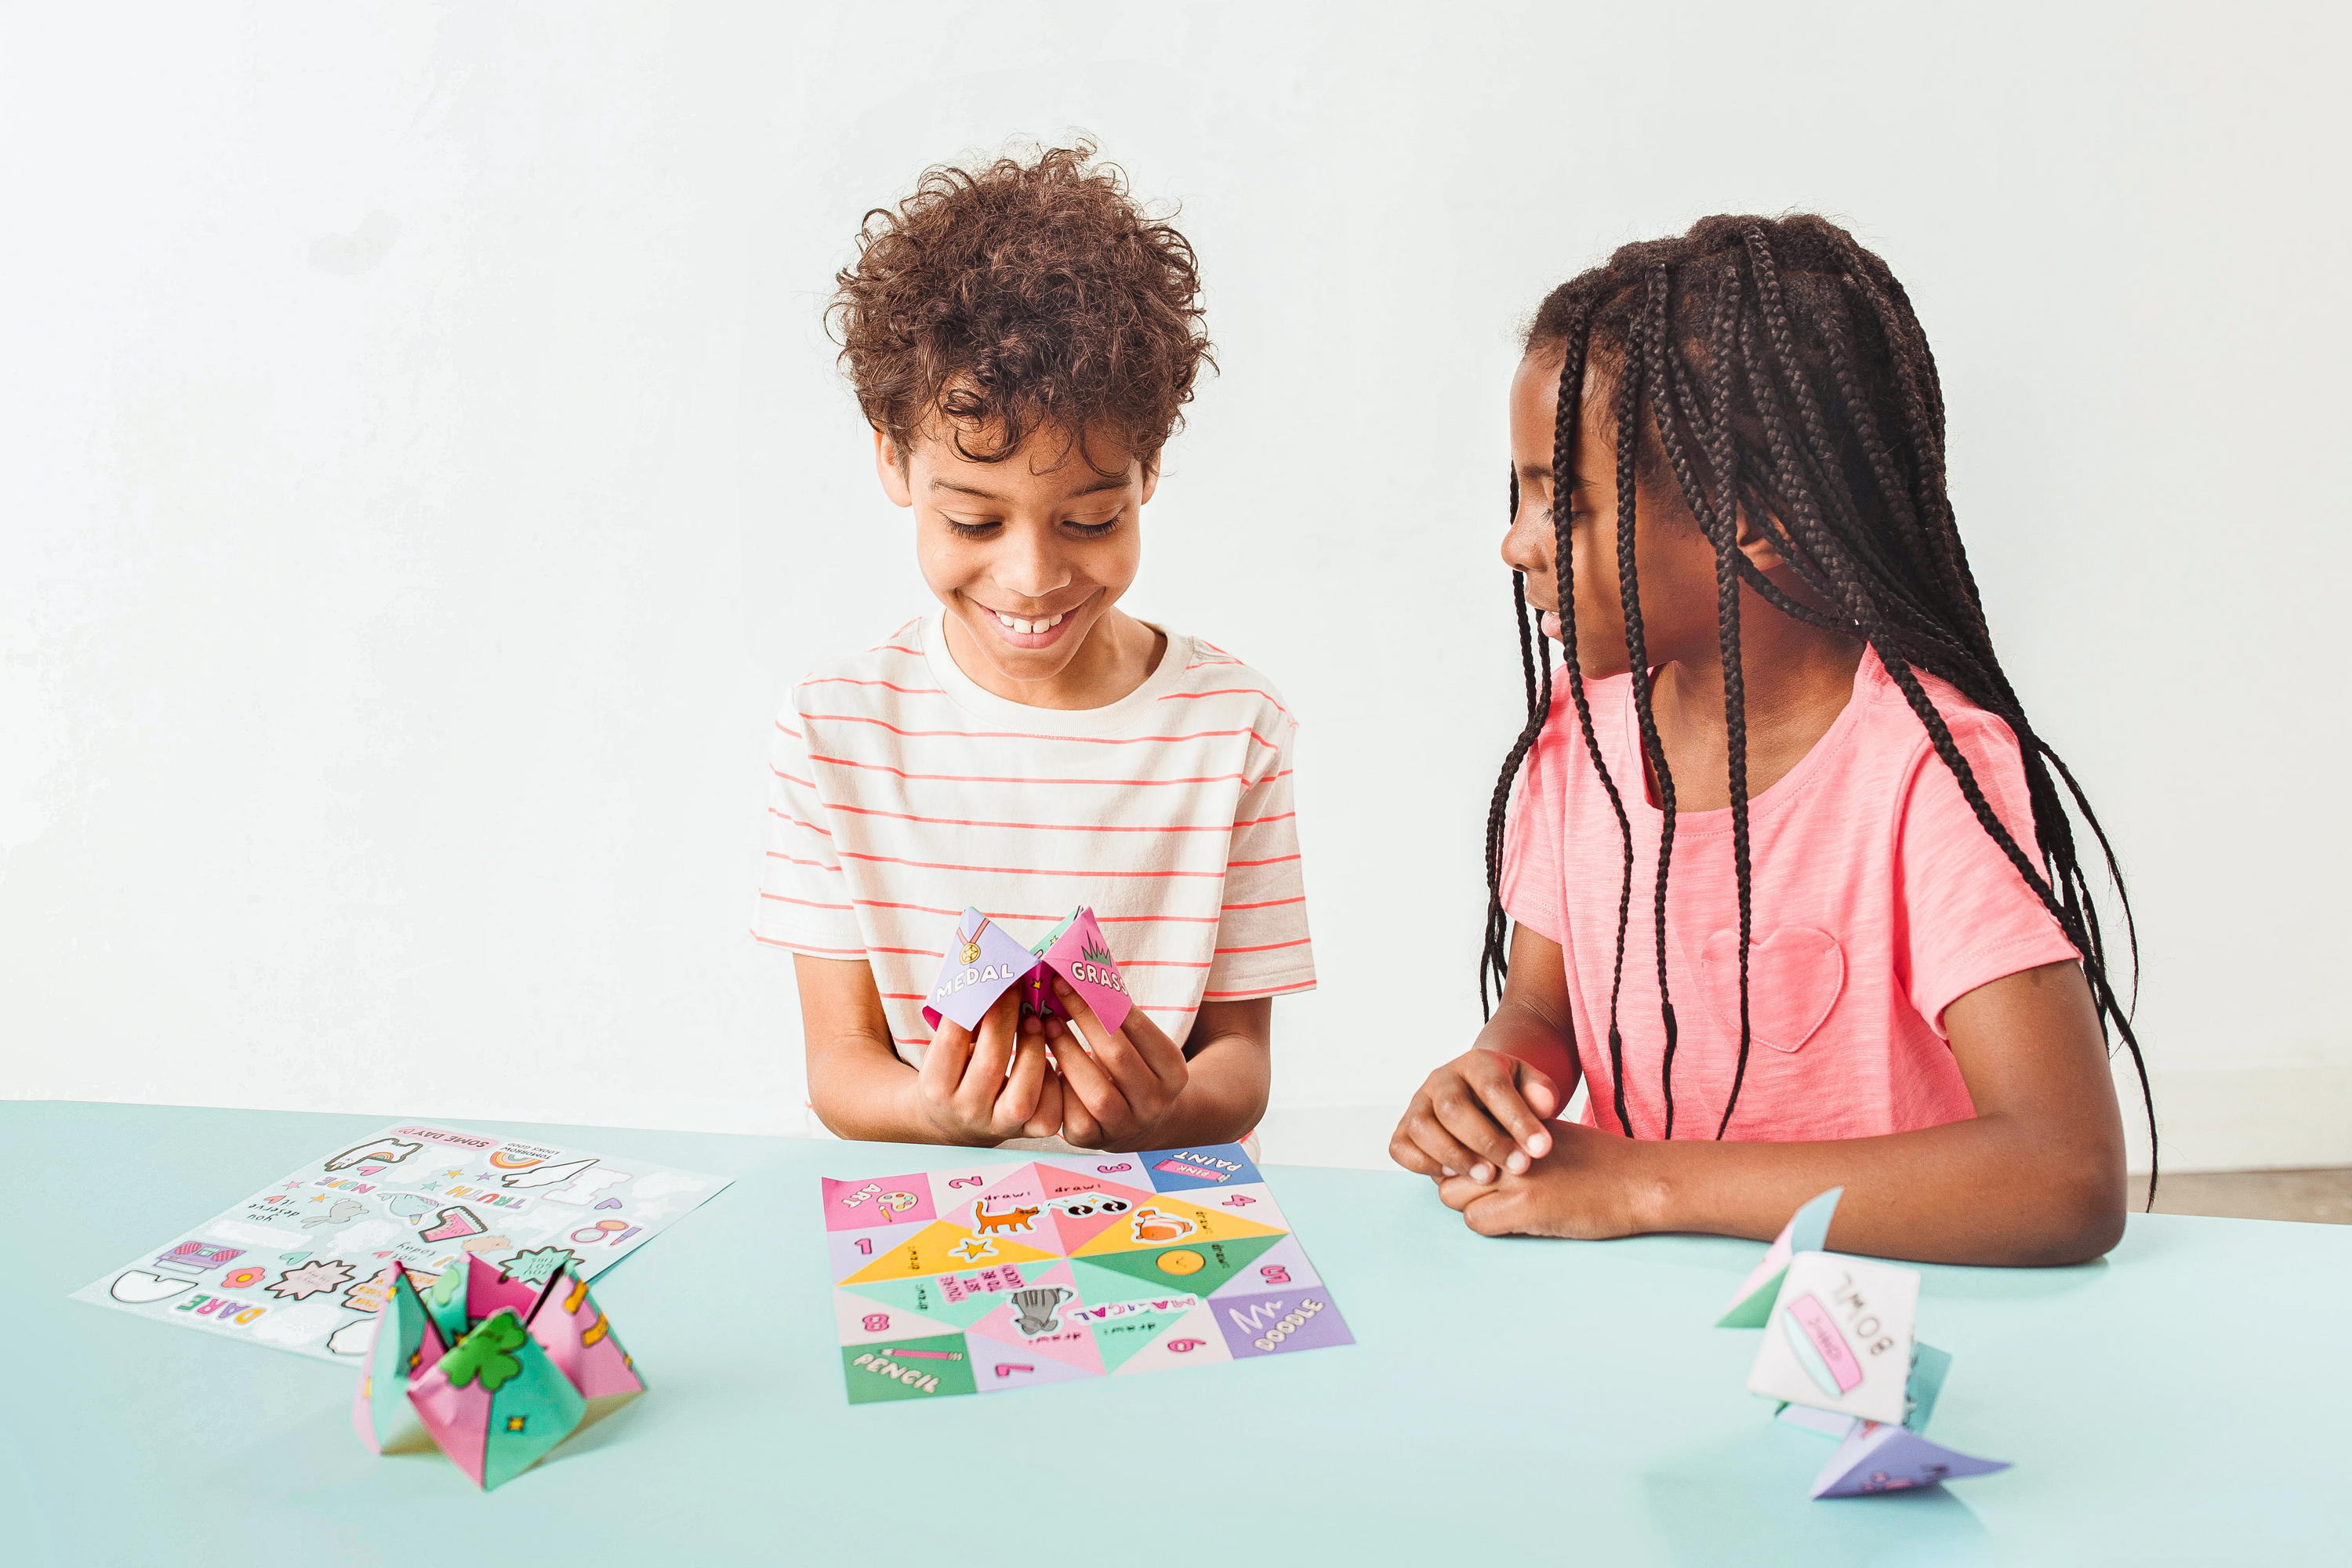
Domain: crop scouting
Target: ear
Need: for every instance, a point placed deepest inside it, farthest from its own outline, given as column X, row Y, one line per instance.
column 892, row 470
column 1757, row 540
column 1150, row 478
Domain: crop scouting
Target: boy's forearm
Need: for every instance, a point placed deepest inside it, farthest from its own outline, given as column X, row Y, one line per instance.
column 1983, row 1191
column 868, row 1095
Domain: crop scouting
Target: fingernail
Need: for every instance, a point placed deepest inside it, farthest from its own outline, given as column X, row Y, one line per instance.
column 1539, row 1145
column 1482, row 1172
column 1517, row 1164
column 1447, row 1169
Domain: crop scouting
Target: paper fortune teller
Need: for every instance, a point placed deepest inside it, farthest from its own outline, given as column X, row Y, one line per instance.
column 1838, row 1349
column 494, row 1365
column 984, row 961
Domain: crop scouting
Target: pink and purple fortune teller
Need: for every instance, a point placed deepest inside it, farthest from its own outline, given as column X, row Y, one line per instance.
column 982, row 962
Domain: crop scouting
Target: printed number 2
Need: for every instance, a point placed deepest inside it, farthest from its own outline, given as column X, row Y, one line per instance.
column 876, row 1322
column 1275, row 1274
column 866, row 1246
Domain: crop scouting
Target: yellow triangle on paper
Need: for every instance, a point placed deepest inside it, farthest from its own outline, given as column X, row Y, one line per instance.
column 943, row 1248
column 1167, row 1221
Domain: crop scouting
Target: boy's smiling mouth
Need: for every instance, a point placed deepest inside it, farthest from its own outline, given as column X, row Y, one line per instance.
column 1029, row 632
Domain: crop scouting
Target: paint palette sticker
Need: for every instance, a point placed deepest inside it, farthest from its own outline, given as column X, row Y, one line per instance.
column 304, row 1264
column 1062, row 1268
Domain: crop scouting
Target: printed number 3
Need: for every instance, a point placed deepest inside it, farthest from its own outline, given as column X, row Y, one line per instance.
column 876, row 1322
column 1275, row 1274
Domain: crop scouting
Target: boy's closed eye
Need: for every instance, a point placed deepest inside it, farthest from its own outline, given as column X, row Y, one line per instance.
column 989, row 528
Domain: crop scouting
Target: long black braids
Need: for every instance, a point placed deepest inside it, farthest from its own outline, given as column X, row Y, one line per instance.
column 1779, row 369
column 1495, row 958
column 1570, row 410
column 1654, row 751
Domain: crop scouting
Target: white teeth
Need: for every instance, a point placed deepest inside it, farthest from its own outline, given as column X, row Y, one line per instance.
column 1027, row 628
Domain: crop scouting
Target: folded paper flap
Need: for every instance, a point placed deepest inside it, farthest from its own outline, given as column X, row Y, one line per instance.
column 579, row 1339
column 1929, row 1366
column 1839, row 1336
column 1081, row 956
column 1807, row 1231
column 980, row 961
column 1877, row 1459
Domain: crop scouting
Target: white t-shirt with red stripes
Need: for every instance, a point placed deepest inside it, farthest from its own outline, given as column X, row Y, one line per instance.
column 901, row 791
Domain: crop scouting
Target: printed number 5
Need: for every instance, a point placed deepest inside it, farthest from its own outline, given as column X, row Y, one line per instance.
column 876, row 1322
column 1275, row 1274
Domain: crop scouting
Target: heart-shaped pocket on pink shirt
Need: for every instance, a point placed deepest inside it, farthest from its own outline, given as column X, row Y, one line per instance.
column 1794, row 978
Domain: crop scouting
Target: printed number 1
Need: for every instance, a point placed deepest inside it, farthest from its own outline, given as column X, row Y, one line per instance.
column 1275, row 1274
column 866, row 1246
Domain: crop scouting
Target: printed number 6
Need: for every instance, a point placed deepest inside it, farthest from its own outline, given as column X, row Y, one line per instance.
column 876, row 1322
column 1275, row 1274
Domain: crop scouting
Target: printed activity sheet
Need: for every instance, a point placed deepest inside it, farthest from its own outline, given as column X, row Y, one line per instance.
column 306, row 1263
column 985, row 1277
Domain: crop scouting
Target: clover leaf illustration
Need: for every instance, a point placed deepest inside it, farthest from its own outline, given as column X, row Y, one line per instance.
column 486, row 1355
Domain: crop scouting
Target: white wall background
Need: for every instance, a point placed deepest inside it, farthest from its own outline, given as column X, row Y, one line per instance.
column 422, row 470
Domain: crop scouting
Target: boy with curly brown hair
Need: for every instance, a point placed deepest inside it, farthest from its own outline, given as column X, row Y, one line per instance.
column 1022, row 338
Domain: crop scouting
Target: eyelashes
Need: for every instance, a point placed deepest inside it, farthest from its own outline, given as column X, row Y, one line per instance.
column 988, row 529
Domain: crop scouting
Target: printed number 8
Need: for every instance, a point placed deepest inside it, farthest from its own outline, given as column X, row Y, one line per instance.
column 876, row 1322
column 1275, row 1274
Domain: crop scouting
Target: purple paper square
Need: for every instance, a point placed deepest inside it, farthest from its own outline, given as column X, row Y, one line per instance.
column 1277, row 1322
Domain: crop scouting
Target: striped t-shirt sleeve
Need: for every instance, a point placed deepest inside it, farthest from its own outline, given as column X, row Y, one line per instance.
column 805, row 902
column 1262, row 942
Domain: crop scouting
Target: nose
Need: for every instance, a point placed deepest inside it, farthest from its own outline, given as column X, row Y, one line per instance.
column 1031, row 566
column 1527, row 544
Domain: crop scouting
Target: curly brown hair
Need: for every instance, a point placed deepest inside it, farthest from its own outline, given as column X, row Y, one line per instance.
column 1017, row 296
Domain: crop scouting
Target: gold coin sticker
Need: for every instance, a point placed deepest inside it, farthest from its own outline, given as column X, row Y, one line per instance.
column 1182, row 1261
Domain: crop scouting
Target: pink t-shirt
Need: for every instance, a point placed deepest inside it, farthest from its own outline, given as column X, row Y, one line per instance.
column 1878, row 899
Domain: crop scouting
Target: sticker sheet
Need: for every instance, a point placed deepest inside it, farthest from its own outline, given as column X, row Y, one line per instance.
column 306, row 1263
column 986, row 1278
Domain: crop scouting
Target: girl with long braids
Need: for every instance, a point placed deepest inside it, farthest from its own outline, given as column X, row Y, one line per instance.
column 1780, row 868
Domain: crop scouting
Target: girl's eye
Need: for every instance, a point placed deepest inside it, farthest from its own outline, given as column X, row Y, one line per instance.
column 1091, row 530
column 970, row 530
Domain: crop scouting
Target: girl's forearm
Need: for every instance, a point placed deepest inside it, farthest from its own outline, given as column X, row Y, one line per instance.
column 1984, row 1191
column 1546, row 1043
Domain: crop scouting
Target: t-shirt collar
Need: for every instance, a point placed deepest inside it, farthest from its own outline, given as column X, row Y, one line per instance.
column 986, row 706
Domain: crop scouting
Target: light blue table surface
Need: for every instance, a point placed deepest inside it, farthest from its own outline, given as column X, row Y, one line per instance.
column 1508, row 1402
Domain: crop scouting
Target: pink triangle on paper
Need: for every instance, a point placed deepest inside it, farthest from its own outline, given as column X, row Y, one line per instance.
column 1081, row 956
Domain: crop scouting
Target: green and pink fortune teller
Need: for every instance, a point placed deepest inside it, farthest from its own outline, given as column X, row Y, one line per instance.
column 495, row 1370
column 984, row 961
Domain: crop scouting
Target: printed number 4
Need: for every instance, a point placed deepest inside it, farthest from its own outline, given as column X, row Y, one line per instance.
column 1275, row 1274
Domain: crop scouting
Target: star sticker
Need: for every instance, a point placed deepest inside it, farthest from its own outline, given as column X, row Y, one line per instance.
column 320, row 1199
column 971, row 1249
column 453, row 1173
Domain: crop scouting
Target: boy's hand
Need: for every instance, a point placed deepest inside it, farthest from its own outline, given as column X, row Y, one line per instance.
column 1589, row 1187
column 1481, row 1115
column 1116, row 1092
column 964, row 1090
